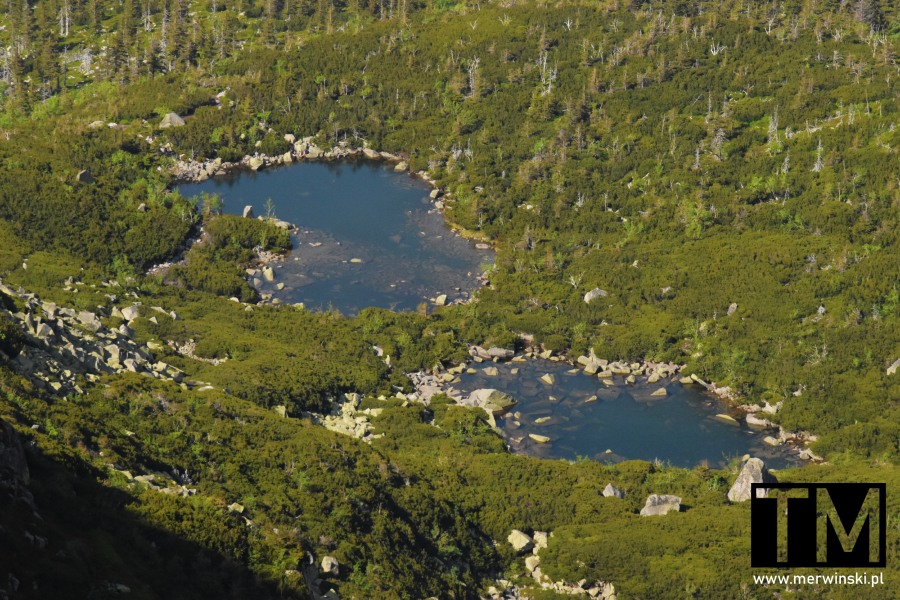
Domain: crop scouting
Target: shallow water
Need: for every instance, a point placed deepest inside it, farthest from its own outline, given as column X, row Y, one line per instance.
column 624, row 422
column 368, row 236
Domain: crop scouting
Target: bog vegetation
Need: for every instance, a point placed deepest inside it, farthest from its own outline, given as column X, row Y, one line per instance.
column 727, row 171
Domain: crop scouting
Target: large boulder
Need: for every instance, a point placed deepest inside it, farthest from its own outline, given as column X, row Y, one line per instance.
column 130, row 313
column 754, row 471
column 894, row 366
column 90, row 321
column 611, row 491
column 594, row 294
column 520, row 541
column 256, row 163
column 330, row 565
column 500, row 353
column 496, row 402
column 84, row 176
column 248, row 212
column 171, row 120
column 660, row 505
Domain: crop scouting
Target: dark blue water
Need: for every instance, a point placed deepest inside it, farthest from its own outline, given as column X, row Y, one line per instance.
column 368, row 236
column 625, row 422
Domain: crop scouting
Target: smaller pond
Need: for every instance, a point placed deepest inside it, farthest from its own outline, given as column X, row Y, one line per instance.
column 623, row 422
column 368, row 236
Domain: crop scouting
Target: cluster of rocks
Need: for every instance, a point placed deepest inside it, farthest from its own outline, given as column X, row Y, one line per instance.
column 156, row 481
column 605, row 369
column 65, row 344
column 187, row 349
column 346, row 418
column 723, row 392
column 755, row 417
column 655, row 505
column 531, row 545
column 441, row 381
column 309, row 573
column 249, row 214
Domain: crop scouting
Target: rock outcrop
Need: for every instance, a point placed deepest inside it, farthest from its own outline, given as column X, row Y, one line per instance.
column 753, row 471
column 596, row 590
column 346, row 418
column 69, row 347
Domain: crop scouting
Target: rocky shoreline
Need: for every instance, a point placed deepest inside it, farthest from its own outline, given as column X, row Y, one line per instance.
column 194, row 171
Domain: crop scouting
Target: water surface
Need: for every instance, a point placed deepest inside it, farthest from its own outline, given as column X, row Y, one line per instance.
column 368, row 236
column 624, row 422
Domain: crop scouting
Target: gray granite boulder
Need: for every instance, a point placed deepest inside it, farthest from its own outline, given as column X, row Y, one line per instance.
column 754, row 471
column 660, row 505
column 611, row 491
column 520, row 541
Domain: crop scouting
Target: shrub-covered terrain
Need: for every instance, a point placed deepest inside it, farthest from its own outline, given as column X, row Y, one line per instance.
column 727, row 171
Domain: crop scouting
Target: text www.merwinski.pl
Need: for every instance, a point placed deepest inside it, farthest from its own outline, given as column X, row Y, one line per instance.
column 857, row 578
